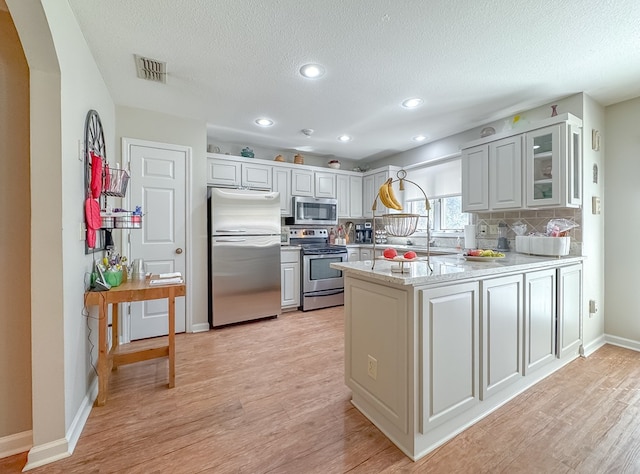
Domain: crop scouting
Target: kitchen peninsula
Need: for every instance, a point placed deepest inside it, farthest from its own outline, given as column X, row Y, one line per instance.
column 431, row 351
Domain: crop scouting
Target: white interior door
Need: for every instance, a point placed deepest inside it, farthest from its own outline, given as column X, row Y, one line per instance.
column 158, row 184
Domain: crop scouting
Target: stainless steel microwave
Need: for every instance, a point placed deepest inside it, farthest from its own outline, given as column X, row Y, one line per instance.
column 313, row 211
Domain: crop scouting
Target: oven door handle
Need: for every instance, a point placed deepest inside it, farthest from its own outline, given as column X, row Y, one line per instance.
column 336, row 291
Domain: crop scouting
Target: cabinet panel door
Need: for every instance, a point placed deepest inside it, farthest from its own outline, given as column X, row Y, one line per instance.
column 354, row 254
column 505, row 173
column 290, row 283
column 475, row 179
column 355, row 201
column 368, row 195
column 378, row 180
column 450, row 365
column 544, row 172
column 540, row 319
column 325, row 185
column 569, row 310
column 256, row 176
column 366, row 254
column 282, row 184
column 223, row 172
column 343, row 195
column 302, row 183
column 502, row 330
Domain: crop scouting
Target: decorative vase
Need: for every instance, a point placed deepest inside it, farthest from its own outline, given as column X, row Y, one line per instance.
column 554, row 112
column 298, row 159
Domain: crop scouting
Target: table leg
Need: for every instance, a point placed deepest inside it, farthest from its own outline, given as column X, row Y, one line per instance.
column 103, row 353
column 115, row 341
column 172, row 339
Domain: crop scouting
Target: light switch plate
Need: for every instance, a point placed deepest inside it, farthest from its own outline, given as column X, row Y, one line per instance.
column 595, row 205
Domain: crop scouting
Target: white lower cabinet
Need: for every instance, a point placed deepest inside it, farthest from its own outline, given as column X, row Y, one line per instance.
column 502, row 333
column 290, row 278
column 569, row 310
column 539, row 319
column 366, row 254
column 353, row 254
column 449, row 317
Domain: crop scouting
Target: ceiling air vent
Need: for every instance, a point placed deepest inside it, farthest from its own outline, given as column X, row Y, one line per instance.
column 151, row 69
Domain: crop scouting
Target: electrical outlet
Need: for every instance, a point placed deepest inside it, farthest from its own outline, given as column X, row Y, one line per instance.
column 372, row 368
column 593, row 307
column 482, row 229
column 493, row 229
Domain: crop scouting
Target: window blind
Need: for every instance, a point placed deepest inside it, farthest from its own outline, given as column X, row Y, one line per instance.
column 439, row 180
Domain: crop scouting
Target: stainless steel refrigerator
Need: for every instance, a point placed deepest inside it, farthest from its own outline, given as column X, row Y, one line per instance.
column 244, row 255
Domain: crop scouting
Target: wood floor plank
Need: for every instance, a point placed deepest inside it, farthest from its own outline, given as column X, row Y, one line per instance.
column 270, row 397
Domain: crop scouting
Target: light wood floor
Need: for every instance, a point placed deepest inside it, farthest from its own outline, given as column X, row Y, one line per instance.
column 269, row 397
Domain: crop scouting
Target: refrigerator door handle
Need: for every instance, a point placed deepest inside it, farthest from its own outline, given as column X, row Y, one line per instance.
column 230, row 231
column 230, row 240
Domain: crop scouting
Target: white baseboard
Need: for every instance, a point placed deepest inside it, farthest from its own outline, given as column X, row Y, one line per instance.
column 200, row 327
column 47, row 453
column 63, row 448
column 622, row 342
column 16, row 443
column 77, row 425
column 594, row 346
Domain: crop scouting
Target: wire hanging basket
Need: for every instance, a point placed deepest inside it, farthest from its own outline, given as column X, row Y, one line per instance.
column 400, row 225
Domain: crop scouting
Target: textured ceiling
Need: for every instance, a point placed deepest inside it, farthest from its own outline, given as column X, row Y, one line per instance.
column 232, row 61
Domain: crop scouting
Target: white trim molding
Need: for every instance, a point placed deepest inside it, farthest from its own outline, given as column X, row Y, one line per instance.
column 16, row 443
column 622, row 342
column 594, row 346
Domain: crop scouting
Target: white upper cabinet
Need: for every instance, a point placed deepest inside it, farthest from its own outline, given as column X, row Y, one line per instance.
column 349, row 195
column 475, row 179
column 554, row 166
column 302, row 182
column 282, row 184
column 325, row 184
column 540, row 167
column 505, row 173
column 229, row 173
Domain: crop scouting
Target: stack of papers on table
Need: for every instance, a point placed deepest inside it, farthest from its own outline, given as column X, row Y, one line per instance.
column 166, row 278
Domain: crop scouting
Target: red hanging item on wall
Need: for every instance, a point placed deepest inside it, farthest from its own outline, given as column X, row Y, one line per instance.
column 93, row 220
column 96, row 175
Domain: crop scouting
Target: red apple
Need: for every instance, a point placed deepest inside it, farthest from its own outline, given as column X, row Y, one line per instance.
column 409, row 255
column 389, row 253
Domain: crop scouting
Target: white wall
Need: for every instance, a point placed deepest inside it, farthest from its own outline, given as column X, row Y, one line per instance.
column 65, row 84
column 593, row 236
column 152, row 126
column 622, row 188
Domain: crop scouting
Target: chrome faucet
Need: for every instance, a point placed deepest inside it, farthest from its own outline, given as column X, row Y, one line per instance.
column 409, row 242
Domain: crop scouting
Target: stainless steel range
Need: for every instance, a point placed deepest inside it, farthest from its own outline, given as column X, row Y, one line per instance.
column 321, row 286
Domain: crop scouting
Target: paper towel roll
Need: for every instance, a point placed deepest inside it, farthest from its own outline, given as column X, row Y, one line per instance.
column 470, row 236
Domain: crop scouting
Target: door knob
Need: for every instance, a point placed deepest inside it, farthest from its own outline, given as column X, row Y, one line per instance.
column 178, row 250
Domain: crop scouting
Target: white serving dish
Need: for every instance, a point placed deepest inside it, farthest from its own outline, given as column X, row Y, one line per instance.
column 542, row 245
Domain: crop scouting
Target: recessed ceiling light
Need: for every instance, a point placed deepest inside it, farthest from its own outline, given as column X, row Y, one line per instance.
column 344, row 138
column 412, row 103
column 312, row 71
column 419, row 138
column 264, row 122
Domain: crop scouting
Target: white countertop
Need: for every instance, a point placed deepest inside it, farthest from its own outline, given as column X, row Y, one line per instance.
column 449, row 268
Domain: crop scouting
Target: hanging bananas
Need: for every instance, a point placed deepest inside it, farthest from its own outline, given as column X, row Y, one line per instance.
column 388, row 197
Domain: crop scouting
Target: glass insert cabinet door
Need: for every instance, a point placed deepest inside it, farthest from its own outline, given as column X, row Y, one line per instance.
column 544, row 172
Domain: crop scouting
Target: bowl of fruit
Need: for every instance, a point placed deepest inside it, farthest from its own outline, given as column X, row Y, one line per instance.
column 480, row 255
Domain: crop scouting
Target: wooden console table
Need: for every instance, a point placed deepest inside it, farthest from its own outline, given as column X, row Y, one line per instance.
column 130, row 291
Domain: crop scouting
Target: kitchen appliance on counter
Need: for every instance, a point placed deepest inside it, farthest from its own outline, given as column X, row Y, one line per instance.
column 244, row 255
column 313, row 211
column 364, row 233
column 321, row 286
